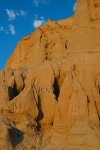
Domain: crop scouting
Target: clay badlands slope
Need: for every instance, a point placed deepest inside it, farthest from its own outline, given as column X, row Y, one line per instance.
column 50, row 87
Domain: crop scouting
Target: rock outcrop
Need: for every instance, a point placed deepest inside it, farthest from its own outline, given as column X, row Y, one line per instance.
column 50, row 87
column 46, row 43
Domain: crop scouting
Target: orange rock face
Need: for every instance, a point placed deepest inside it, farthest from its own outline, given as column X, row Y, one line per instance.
column 50, row 87
column 46, row 43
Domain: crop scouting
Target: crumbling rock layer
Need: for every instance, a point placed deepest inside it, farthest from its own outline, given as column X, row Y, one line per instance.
column 50, row 87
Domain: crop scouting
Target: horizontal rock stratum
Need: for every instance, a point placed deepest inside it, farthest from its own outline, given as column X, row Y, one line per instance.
column 50, row 87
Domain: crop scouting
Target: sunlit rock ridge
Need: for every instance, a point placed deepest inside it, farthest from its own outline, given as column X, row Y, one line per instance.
column 50, row 87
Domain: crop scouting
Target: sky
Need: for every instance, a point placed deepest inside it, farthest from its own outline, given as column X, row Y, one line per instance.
column 19, row 18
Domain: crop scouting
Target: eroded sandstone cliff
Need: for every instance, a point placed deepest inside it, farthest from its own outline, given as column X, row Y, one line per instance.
column 50, row 87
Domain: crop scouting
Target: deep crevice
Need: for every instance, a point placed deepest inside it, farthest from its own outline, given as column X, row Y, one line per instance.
column 88, row 101
column 56, row 89
column 65, row 46
column 40, row 113
column 99, row 89
column 13, row 92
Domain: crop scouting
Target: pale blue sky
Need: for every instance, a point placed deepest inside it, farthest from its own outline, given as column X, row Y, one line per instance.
column 19, row 18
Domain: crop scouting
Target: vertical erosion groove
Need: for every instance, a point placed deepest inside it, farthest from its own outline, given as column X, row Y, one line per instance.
column 88, row 101
column 56, row 89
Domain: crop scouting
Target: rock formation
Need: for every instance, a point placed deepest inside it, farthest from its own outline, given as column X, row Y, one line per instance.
column 50, row 87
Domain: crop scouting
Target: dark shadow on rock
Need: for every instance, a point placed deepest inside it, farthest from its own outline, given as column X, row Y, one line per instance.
column 16, row 137
column 12, row 91
column 15, row 91
column 40, row 114
column 56, row 89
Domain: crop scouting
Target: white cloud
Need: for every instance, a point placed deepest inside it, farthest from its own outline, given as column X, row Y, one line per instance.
column 37, row 2
column 22, row 13
column 12, row 29
column 38, row 22
column 74, row 7
column 12, row 14
column 1, row 28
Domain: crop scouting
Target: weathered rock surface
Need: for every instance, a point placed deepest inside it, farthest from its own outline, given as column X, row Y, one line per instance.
column 50, row 87
column 46, row 43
